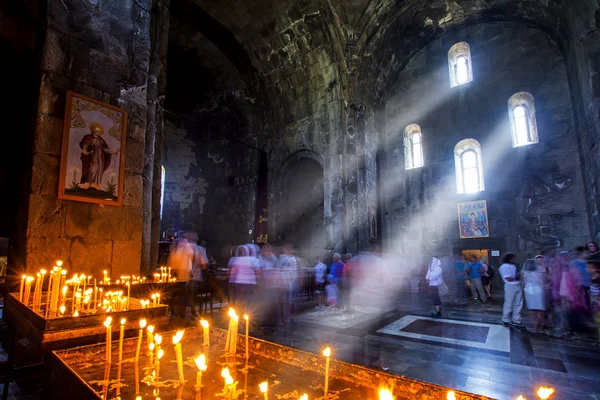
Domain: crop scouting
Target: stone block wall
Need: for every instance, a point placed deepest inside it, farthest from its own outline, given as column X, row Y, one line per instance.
column 99, row 48
column 535, row 193
column 210, row 187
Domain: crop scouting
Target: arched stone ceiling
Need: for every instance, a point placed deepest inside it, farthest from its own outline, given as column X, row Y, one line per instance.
column 372, row 40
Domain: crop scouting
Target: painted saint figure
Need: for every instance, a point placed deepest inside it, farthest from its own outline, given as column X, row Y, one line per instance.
column 95, row 157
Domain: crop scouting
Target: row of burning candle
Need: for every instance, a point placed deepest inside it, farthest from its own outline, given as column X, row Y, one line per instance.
column 82, row 300
column 230, row 392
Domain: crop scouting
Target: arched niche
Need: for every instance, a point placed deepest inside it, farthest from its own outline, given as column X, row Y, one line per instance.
column 300, row 204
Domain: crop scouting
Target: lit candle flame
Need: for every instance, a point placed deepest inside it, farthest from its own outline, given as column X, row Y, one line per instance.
column 327, row 352
column 177, row 337
column 264, row 386
column 142, row 323
column 123, row 320
column 108, row 321
column 225, row 372
column 204, row 323
column 385, row 394
column 158, row 338
column 246, row 317
column 520, row 397
column 201, row 362
column 229, row 380
column 62, row 310
column 303, row 397
column 232, row 314
column 160, row 354
column 544, row 392
column 151, row 329
column 451, row 395
column 59, row 263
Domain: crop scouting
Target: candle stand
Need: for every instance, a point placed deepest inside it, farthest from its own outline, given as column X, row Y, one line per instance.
column 42, row 335
column 79, row 373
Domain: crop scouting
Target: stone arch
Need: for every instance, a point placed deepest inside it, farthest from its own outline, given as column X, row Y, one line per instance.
column 298, row 200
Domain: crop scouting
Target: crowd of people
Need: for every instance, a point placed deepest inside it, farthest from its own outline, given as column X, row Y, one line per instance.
column 561, row 289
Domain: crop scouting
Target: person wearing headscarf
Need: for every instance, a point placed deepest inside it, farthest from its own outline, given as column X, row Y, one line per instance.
column 242, row 274
column 434, row 279
column 534, row 293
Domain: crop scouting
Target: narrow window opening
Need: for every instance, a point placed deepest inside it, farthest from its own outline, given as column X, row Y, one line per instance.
column 162, row 189
column 521, row 111
column 413, row 147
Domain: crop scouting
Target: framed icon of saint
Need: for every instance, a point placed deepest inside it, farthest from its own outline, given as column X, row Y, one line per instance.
column 93, row 151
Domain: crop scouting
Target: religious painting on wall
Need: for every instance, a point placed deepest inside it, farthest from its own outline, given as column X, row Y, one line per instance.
column 473, row 219
column 93, row 151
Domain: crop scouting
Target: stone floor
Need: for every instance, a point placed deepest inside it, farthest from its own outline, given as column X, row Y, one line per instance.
column 468, row 349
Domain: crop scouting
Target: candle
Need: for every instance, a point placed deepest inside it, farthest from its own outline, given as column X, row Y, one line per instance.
column 205, row 337
column 95, row 295
column 23, row 277
column 139, row 342
column 451, row 395
column 157, row 342
column 63, row 296
column 247, row 321
column 27, row 289
column 105, row 280
column 327, row 354
column 150, row 338
column 201, row 364
column 545, row 393
column 50, row 283
column 385, row 394
column 36, row 291
column 159, row 355
column 63, row 277
column 43, row 272
column 153, row 299
column 264, row 388
column 128, row 293
column 121, row 336
column 225, row 374
column 62, row 310
column 178, row 353
column 107, row 323
column 76, row 313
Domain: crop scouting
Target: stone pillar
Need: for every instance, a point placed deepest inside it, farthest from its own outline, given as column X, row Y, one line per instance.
column 159, row 36
column 360, row 180
column 100, row 49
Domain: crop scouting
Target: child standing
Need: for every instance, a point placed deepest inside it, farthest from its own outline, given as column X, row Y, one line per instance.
column 320, row 270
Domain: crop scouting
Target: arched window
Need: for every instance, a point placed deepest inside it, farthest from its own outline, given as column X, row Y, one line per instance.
column 459, row 62
column 469, row 169
column 523, row 125
column 413, row 146
column 162, row 189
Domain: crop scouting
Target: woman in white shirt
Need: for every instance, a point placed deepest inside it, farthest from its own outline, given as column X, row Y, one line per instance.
column 242, row 274
column 435, row 278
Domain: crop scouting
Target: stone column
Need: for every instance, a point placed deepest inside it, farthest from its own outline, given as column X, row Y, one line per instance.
column 159, row 36
column 100, row 49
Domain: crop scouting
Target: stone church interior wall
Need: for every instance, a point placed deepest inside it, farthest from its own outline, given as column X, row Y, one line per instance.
column 210, row 188
column 534, row 193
